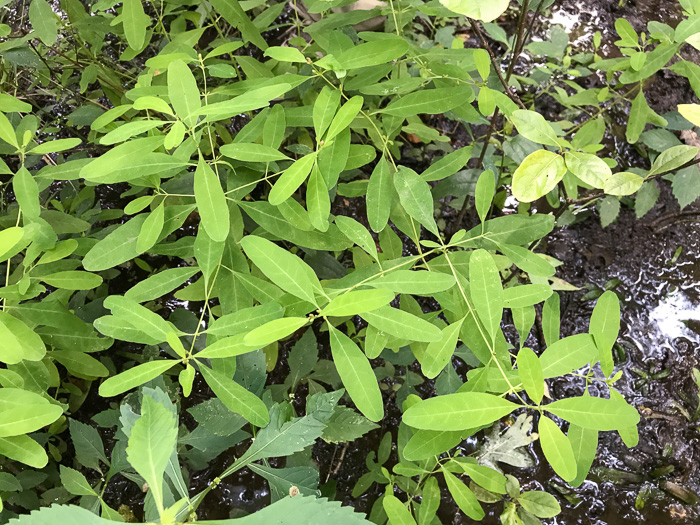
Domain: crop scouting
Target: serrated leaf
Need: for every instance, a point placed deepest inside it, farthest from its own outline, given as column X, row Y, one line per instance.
column 151, row 443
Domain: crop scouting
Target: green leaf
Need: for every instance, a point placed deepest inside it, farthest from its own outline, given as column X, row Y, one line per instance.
column 357, row 302
column 609, row 209
column 25, row 450
column 318, row 201
column 344, row 117
column 486, row 477
column 372, row 53
column 22, row 412
column 54, row 146
column 485, row 187
column 447, row 165
column 252, row 152
column 285, row 54
column 595, row 413
column 7, row 132
column 19, row 341
column 138, row 316
column 274, row 331
column 151, row 229
column 10, row 239
column 80, row 364
column 89, row 449
column 73, row 280
column 640, row 114
column 539, row 503
column 211, row 202
column 293, row 177
column 416, row 199
column 402, row 324
column 129, row 161
column 527, row 261
column 379, row 196
column 414, row 282
column 566, row 355
column 427, row 101
column 690, row 112
column 75, row 483
column 538, row 174
column 672, row 159
column 357, row 375
column 484, row 10
column 460, row 411
column 590, row 169
column 557, row 449
column 425, row 444
column 135, row 376
column 584, row 442
column 628, row 36
column 159, row 284
column 463, row 496
column 623, row 183
column 604, row 327
column 128, row 130
column 26, row 193
column 43, row 21
column 534, row 127
column 357, row 233
column 396, row 511
column 438, row 354
column 248, row 101
column 525, row 295
column 325, row 106
column 135, row 22
column 430, row 501
column 151, row 443
column 486, row 290
column 233, row 13
column 531, row 375
column 283, row 268
column 236, row 398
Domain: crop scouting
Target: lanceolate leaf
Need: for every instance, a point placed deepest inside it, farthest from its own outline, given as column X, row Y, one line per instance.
column 486, row 290
column 357, row 302
column 291, row 179
column 19, row 341
column 531, row 375
column 134, row 377
column 463, row 496
column 604, row 327
column 425, row 444
column 457, row 411
column 380, row 191
column 236, row 398
column 211, row 202
column 138, row 316
column 284, row 269
column 416, row 199
column 397, row 511
column 414, row 282
column 73, row 280
column 595, row 413
column 584, row 443
column 484, row 10
column 183, row 92
column 438, row 354
column 402, row 324
column 357, row 375
column 557, row 449
column 568, row 354
column 44, row 21
column 135, row 22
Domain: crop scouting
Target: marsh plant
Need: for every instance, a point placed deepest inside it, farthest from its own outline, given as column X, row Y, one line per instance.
column 199, row 193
